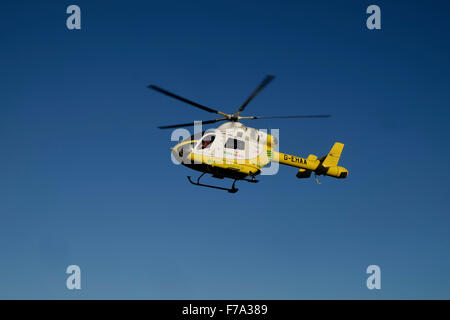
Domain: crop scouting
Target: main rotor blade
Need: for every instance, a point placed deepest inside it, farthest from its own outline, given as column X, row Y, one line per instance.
column 287, row 117
column 261, row 86
column 190, row 124
column 192, row 103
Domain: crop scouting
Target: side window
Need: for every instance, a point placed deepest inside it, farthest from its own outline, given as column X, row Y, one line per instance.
column 235, row 144
column 206, row 142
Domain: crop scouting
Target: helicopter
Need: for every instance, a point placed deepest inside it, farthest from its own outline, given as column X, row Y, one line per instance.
column 238, row 152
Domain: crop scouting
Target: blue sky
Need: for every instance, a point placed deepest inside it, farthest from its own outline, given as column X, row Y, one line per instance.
column 86, row 176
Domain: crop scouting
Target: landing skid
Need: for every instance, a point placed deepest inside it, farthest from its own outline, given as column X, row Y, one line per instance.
column 231, row 190
column 252, row 180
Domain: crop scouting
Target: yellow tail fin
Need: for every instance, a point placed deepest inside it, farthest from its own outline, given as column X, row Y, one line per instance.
column 333, row 156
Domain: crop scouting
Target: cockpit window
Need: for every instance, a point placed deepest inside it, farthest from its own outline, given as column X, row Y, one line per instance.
column 235, row 144
column 206, row 142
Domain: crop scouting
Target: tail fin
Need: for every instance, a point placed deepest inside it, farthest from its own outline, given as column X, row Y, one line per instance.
column 333, row 156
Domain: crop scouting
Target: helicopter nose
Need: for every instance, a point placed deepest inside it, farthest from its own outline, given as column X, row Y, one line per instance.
column 180, row 153
column 176, row 155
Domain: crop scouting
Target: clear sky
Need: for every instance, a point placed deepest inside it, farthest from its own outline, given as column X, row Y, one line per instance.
column 86, row 176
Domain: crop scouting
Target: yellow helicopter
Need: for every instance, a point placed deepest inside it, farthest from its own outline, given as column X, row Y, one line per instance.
column 236, row 151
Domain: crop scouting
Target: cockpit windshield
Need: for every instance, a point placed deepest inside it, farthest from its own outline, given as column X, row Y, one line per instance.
column 206, row 142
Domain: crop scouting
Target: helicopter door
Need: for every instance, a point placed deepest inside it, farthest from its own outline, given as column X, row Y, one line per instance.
column 234, row 149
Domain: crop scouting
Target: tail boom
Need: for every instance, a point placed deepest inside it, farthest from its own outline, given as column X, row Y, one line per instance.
column 324, row 166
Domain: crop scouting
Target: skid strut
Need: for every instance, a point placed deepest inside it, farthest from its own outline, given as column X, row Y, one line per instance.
column 231, row 190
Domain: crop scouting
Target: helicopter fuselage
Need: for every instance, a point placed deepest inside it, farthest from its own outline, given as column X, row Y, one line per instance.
column 230, row 151
column 239, row 152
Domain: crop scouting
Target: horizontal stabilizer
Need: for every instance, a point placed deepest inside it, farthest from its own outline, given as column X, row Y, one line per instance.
column 303, row 173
